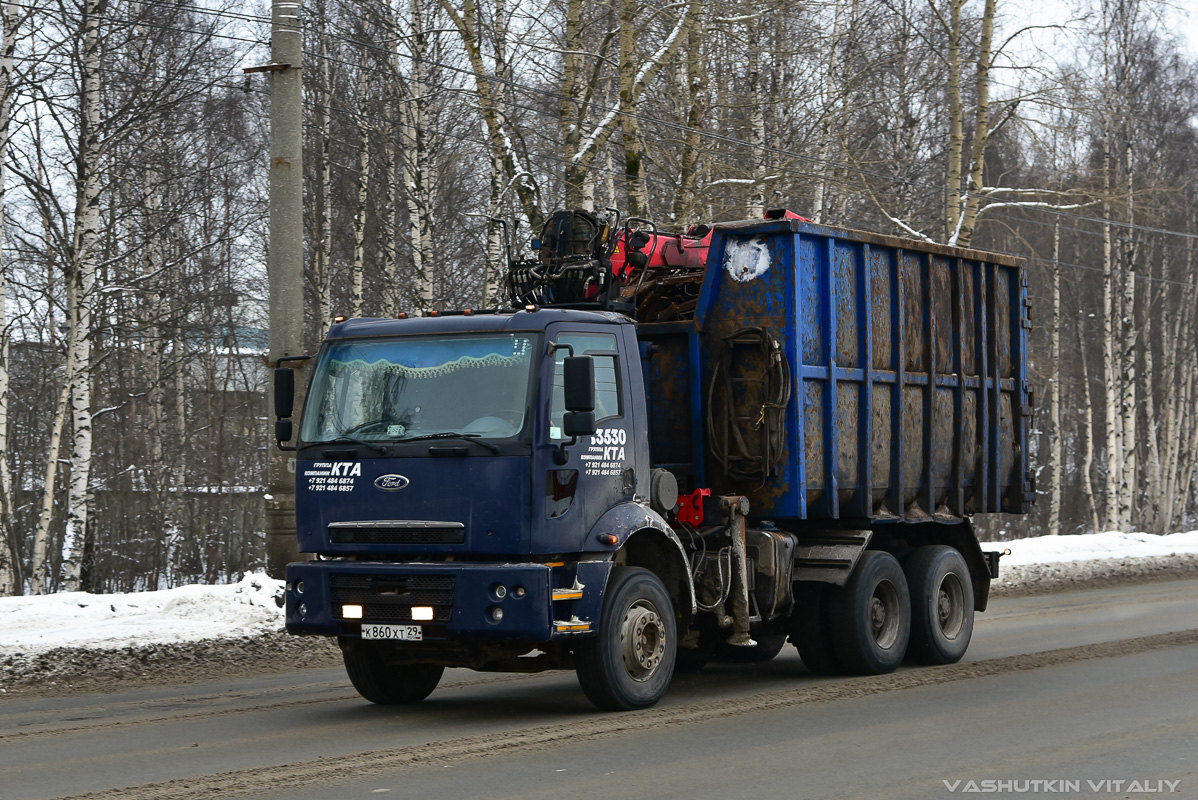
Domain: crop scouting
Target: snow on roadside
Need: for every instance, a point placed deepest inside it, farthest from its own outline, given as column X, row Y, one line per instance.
column 183, row 614
column 30, row 625
column 1094, row 546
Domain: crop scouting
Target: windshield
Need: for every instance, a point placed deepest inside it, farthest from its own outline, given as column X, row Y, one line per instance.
column 396, row 389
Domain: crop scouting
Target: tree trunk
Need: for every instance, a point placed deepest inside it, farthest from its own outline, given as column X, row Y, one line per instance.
column 1128, row 489
column 419, row 177
column 1154, row 508
column 693, row 79
column 496, row 264
column 39, row 570
column 322, row 252
column 153, row 351
column 1054, row 360
column 1087, row 431
column 9, row 558
column 834, row 92
column 493, row 114
column 637, row 197
column 981, row 131
column 392, row 159
column 755, row 207
column 83, row 276
column 571, row 111
column 580, row 163
column 359, row 264
column 956, row 123
column 1111, row 378
column 1179, row 354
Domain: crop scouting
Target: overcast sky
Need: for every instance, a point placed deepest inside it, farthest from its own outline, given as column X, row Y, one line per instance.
column 1180, row 16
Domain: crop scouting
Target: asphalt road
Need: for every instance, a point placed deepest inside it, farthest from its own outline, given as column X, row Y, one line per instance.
column 1090, row 687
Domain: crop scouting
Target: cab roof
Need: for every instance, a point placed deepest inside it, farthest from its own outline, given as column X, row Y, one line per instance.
column 475, row 321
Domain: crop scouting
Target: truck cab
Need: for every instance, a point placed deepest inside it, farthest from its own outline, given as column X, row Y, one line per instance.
column 452, row 516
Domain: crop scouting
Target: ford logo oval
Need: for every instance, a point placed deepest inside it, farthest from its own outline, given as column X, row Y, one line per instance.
column 391, row 483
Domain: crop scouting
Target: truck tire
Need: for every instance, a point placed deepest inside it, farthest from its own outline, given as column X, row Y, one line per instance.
column 810, row 630
column 871, row 616
column 628, row 664
column 387, row 684
column 941, row 605
column 767, row 649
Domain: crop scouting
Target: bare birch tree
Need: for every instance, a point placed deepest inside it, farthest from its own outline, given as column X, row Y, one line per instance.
column 82, row 275
column 9, row 560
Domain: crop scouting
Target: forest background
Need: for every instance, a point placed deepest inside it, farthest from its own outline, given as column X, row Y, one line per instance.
column 133, row 420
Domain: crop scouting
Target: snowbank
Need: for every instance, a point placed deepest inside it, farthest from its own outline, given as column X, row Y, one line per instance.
column 187, row 613
column 1094, row 546
column 31, row 625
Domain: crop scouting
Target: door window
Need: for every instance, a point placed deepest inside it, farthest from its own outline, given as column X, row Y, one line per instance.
column 602, row 348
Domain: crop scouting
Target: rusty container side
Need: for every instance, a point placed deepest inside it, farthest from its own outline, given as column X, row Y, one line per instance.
column 907, row 365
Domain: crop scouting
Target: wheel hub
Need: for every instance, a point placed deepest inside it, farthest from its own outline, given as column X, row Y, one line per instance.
column 884, row 615
column 950, row 606
column 642, row 640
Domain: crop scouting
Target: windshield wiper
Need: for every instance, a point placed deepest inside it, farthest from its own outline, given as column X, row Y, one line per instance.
column 470, row 437
column 353, row 440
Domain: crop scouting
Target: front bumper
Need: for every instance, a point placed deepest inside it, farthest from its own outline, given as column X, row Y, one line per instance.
column 462, row 596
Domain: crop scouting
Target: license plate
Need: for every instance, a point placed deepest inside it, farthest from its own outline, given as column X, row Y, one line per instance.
column 401, row 633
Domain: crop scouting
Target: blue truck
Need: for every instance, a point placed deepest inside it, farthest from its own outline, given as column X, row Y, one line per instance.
column 671, row 448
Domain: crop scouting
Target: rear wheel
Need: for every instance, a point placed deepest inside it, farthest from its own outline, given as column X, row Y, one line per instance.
column 628, row 664
column 810, row 630
column 383, row 683
column 871, row 616
column 941, row 605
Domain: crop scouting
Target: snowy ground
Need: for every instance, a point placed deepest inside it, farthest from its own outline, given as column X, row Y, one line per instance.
column 31, row 625
column 184, row 614
column 1094, row 546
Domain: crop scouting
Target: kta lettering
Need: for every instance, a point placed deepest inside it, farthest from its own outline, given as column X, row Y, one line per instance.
column 346, row 469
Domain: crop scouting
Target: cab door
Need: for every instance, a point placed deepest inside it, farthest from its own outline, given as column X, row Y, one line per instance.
column 599, row 471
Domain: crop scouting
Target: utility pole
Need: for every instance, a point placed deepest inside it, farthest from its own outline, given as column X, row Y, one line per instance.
column 285, row 263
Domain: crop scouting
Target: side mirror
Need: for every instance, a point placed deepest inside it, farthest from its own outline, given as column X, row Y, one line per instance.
column 578, row 423
column 284, row 392
column 578, row 383
column 283, row 430
column 578, row 393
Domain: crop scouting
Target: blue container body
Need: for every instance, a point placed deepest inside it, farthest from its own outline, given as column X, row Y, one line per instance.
column 909, row 398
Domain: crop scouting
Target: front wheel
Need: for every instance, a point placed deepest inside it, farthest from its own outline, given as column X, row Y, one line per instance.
column 941, row 605
column 387, row 684
column 628, row 664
